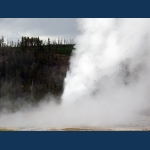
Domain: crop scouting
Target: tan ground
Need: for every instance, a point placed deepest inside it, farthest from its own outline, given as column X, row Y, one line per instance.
column 74, row 129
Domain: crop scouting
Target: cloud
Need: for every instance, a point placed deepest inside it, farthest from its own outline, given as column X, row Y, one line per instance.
column 14, row 28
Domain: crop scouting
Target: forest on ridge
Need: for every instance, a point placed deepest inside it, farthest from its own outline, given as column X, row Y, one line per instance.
column 33, row 68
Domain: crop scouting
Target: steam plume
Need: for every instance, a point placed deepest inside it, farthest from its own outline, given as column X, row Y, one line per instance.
column 110, row 69
column 108, row 81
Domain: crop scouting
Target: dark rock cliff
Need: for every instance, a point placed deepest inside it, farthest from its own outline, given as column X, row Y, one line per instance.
column 33, row 71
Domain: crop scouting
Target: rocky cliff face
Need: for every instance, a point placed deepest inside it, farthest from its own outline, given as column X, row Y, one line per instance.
column 33, row 72
column 59, row 71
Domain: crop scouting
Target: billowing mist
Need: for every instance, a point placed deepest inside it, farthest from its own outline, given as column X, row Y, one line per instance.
column 107, row 83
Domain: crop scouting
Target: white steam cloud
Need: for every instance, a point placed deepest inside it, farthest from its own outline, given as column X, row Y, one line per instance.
column 108, row 82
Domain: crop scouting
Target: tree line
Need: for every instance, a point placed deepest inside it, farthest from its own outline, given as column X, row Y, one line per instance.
column 32, row 67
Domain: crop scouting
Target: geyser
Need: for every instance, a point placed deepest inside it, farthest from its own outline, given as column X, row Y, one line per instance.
column 110, row 69
column 107, row 83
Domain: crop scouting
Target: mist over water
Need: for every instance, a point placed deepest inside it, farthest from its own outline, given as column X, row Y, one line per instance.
column 107, row 83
